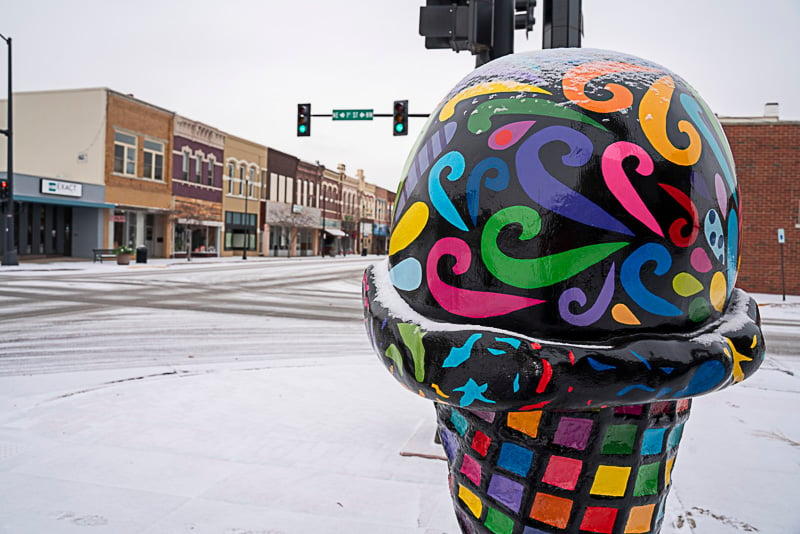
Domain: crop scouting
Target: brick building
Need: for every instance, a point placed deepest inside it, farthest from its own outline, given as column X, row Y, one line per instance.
column 766, row 151
column 139, row 174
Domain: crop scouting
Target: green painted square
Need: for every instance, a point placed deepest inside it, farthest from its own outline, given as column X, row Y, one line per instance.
column 498, row 522
column 619, row 439
column 647, row 480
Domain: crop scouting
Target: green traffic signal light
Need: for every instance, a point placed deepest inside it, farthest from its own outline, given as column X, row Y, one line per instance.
column 400, row 117
column 303, row 120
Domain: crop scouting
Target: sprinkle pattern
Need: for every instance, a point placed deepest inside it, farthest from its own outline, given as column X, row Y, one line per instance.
column 604, row 471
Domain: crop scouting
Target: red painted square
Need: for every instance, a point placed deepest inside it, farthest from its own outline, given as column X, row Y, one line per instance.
column 657, row 408
column 481, row 442
column 562, row 472
column 599, row 519
column 683, row 405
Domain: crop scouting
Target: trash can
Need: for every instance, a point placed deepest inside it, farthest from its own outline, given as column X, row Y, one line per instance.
column 141, row 254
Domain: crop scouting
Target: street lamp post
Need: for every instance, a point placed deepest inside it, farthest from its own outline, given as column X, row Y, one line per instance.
column 246, row 222
column 9, row 252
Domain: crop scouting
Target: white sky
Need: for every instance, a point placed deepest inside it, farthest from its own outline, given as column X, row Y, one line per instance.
column 243, row 65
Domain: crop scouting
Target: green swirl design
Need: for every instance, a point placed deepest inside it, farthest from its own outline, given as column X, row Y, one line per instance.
column 481, row 119
column 535, row 272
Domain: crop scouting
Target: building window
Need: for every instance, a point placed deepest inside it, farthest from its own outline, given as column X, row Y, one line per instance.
column 231, row 167
column 240, row 229
column 241, row 181
column 252, row 182
column 154, row 160
column 125, row 153
column 198, row 169
column 210, row 176
column 185, row 167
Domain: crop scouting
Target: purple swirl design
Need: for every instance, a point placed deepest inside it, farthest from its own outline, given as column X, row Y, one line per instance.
column 549, row 192
column 596, row 311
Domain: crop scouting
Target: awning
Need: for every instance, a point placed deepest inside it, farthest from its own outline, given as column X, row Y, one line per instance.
column 335, row 232
column 63, row 202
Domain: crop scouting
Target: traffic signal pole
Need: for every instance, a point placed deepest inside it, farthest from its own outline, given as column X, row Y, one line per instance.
column 9, row 252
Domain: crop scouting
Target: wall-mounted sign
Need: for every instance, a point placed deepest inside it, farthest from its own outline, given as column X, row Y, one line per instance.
column 64, row 189
column 781, row 236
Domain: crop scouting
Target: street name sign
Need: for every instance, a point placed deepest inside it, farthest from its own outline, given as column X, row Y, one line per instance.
column 352, row 114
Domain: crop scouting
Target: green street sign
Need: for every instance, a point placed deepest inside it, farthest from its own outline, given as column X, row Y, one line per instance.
column 352, row 114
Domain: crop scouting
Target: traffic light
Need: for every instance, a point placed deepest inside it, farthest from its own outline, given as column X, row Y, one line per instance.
column 4, row 191
column 523, row 15
column 303, row 120
column 400, row 118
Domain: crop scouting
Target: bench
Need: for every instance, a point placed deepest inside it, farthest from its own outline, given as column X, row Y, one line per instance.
column 102, row 253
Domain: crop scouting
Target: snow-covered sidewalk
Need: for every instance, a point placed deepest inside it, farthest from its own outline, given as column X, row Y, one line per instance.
column 314, row 446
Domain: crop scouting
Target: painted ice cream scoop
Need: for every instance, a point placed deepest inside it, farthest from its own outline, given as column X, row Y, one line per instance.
column 561, row 281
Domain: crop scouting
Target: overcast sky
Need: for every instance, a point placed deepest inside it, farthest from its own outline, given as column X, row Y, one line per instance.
column 243, row 65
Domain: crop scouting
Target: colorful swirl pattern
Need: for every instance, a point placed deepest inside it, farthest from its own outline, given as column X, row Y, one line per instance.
column 583, row 197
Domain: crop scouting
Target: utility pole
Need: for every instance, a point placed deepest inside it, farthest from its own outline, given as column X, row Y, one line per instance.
column 9, row 252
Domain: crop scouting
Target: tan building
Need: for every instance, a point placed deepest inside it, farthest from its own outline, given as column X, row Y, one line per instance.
column 244, row 183
column 384, row 201
column 59, row 172
column 138, row 174
column 366, row 199
column 351, row 210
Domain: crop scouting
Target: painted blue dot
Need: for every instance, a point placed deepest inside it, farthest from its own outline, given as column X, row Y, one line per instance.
column 712, row 215
column 713, row 239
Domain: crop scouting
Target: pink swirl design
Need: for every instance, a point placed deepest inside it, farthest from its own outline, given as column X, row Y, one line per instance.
column 467, row 302
column 620, row 185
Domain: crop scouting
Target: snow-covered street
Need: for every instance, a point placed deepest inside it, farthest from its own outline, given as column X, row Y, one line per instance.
column 229, row 398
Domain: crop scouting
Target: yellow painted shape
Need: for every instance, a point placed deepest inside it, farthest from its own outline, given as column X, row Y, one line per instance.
column 525, row 422
column 718, row 291
column 639, row 519
column 653, row 111
column 486, row 88
column 472, row 501
column 755, row 342
column 439, row 391
column 738, row 358
column 409, row 227
column 686, row 285
column 668, row 471
column 623, row 315
column 610, row 480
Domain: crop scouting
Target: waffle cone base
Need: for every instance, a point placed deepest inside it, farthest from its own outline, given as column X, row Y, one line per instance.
column 606, row 470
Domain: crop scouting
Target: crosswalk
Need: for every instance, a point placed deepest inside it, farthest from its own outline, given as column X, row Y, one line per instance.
column 182, row 316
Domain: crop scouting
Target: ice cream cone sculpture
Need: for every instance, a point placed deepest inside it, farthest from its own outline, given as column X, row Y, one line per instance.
column 561, row 282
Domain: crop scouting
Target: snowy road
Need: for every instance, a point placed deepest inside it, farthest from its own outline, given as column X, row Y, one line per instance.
column 112, row 317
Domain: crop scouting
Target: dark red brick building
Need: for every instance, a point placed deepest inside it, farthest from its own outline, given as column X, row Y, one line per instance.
column 766, row 152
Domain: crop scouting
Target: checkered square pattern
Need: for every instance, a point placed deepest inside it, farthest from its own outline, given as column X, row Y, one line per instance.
column 605, row 470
